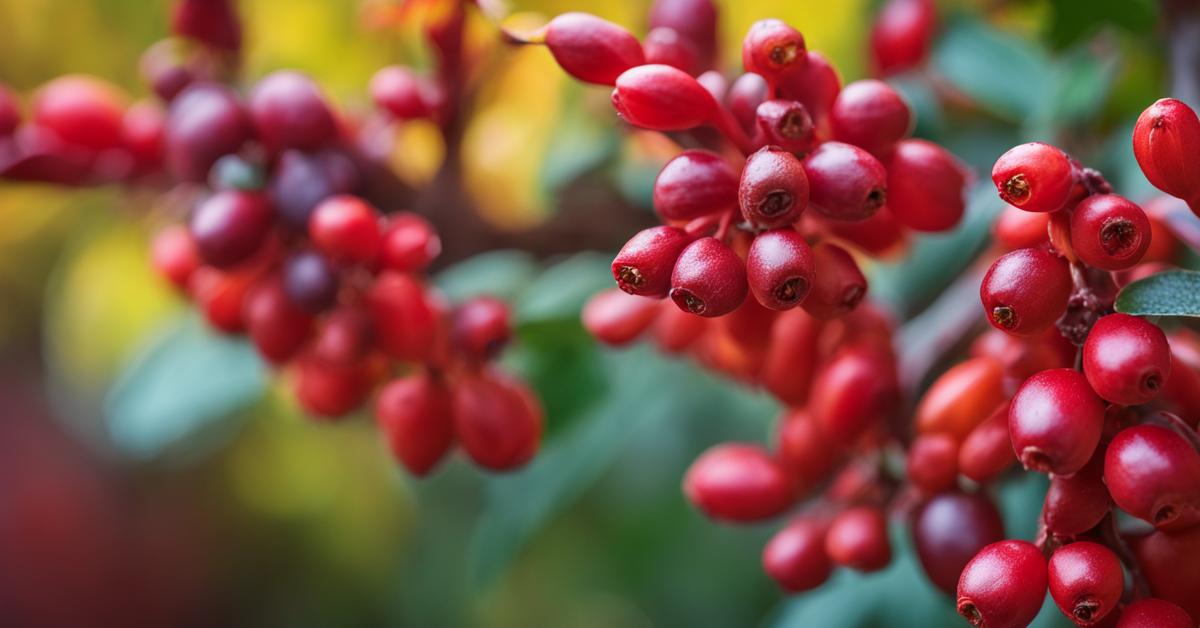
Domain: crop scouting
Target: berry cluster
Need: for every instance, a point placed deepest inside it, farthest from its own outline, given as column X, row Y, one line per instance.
column 283, row 242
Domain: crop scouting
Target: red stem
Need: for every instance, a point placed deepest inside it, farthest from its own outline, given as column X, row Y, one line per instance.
column 724, row 122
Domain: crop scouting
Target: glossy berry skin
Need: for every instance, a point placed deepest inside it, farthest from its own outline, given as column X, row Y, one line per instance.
column 987, row 451
column 902, row 35
column 329, row 391
column 738, row 482
column 1109, row 232
column 1126, row 359
column 616, row 318
column 1086, row 581
column 662, row 98
column 497, row 419
column 277, row 327
column 1017, row 229
column 838, row 285
column 795, row 557
column 346, row 228
column 398, row 90
column 414, row 415
column 481, row 328
column 949, row 530
column 173, row 254
column 1003, row 586
column 1025, row 291
column 310, row 281
column 858, row 539
column 674, row 330
column 925, row 186
column 856, row 389
column 1035, row 177
column 872, row 115
column 932, row 464
column 1153, row 474
column 773, row 49
column 779, row 268
column 664, row 45
column 1154, row 613
column 845, row 182
column 1055, row 421
column 695, row 183
column 289, row 111
column 878, row 236
column 786, row 124
column 80, row 110
column 213, row 23
column 1077, row 503
column 205, row 122
column 644, row 265
column 709, row 279
column 773, row 190
column 961, row 398
column 409, row 243
column 230, row 226
column 592, row 49
column 1167, row 559
column 403, row 321
column 746, row 94
column 1164, row 142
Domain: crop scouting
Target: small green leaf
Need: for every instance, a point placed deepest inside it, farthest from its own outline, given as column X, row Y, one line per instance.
column 501, row 274
column 1173, row 293
column 560, row 292
column 1000, row 72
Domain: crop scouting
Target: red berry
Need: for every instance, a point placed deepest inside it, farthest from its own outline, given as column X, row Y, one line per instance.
column 872, row 115
column 592, row 49
column 277, row 327
column 791, row 357
column 1018, row 229
column 1035, row 177
column 220, row 295
column 10, row 111
column 933, row 463
column 779, row 268
column 205, row 122
column 694, row 20
column 773, row 191
column 949, row 530
column 1153, row 474
column 925, row 186
column 1003, row 586
column 816, row 86
column 856, row 389
column 497, row 419
column 173, row 254
column 399, row 91
column 805, row 450
column 415, row 417
column 1165, row 140
column 987, row 451
column 1086, row 581
column 644, row 265
column 878, row 236
column 664, row 45
column 142, row 134
column 709, row 279
column 786, row 124
column 795, row 557
column 310, row 281
column 1055, row 421
column 616, row 318
column 231, row 226
column 166, row 70
column 1154, row 613
column 662, row 98
column 346, row 228
column 845, row 182
column 674, row 329
column 962, row 398
column 1025, row 291
column 327, row 390
column 838, row 284
column 213, row 23
column 746, row 94
column 1126, row 359
column 1109, row 232
column 773, row 49
column 695, row 183
column 481, row 328
column 344, row 337
column 404, row 322
column 902, row 35
column 81, row 110
column 858, row 538
column 1168, row 560
column 409, row 243
column 289, row 111
column 738, row 482
column 1077, row 503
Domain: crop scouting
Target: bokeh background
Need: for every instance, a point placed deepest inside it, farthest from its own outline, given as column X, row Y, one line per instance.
column 152, row 474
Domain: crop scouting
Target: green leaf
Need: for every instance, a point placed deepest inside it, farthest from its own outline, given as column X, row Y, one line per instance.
column 501, row 274
column 1002, row 73
column 187, row 382
column 1073, row 20
column 578, row 144
column 560, row 292
column 1173, row 293
column 1081, row 82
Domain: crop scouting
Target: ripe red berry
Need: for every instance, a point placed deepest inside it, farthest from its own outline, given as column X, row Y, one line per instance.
column 902, row 35
column 480, row 328
column 694, row 20
column 806, row 452
column 616, row 318
column 856, row 389
column 845, row 182
column 872, row 115
column 738, row 482
column 205, row 122
column 327, row 390
column 220, row 295
column 662, row 98
column 592, row 49
column 1077, row 503
column 1035, row 177
column 786, row 124
column 1003, row 586
column 399, row 91
column 1164, row 142
column 745, row 95
column 709, row 279
column 1025, row 291
column 779, row 268
column 674, row 330
column 289, row 111
column 173, row 254
column 10, row 111
column 773, row 49
column 644, row 265
column 1154, row 613
column 664, row 45
column 344, row 336
column 695, row 183
column 346, row 228
column 142, row 134
column 1154, row 474
column 925, row 186
column 795, row 557
column 816, row 86
column 1018, row 229
column 962, row 398
column 415, row 417
column 81, row 110
column 858, row 538
column 1055, row 421
column 1168, row 561
column 497, row 419
column 231, row 226
column 879, row 236
column 404, row 322
column 932, row 463
column 213, row 23
column 310, row 281
column 277, row 327
column 791, row 357
column 987, row 451
column 773, row 190
column 1086, row 581
column 949, row 530
column 1126, row 359
column 1109, row 232
column 409, row 243
column 838, row 284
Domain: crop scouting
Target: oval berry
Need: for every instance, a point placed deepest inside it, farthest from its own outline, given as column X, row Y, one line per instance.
column 902, row 35
column 666, row 46
column 330, row 391
column 205, row 122
column 1153, row 474
column 277, row 327
column 838, row 284
column 1003, row 586
column 694, row 20
column 1168, row 562
column 414, row 414
column 1018, row 229
column 987, row 451
column 773, row 49
column 709, row 279
column 773, row 190
column 81, row 110
column 1025, row 291
column 791, row 356
column 1077, row 503
column 747, row 93
column 346, row 228
column 807, row 453
column 779, row 268
column 310, row 281
column 662, row 98
column 961, row 398
column 1055, row 421
column 695, row 183
column 289, row 111
column 1110, row 232
column 858, row 539
column 1035, row 177
column 644, row 265
column 932, row 464
column 795, row 557
column 925, row 186
column 231, row 226
column 409, row 243
column 398, row 90
column 213, row 23
column 480, row 328
column 592, row 49
column 871, row 115
column 949, row 530
column 845, row 182
column 174, row 255
column 404, row 323
column 1154, row 613
column 816, row 86
column 858, row 388
column 738, row 482
column 1126, row 359
column 616, row 318
column 786, row 124
column 497, row 420
column 1164, row 142
column 1086, row 581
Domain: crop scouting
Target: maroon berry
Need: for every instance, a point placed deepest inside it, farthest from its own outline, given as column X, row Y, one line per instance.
column 480, row 328
column 987, row 451
column 786, row 124
column 1025, row 291
column 1035, row 177
column 746, row 94
column 1077, row 503
column 925, row 186
column 230, row 226
column 415, row 417
column 845, row 182
column 902, row 35
column 277, row 327
column 664, row 45
column 738, row 482
column 709, row 279
column 1055, row 421
column 694, row 20
column 616, row 318
column 289, row 111
column 301, row 181
column 662, row 98
column 644, row 265
column 213, row 23
column 695, row 183
column 1109, row 232
column 166, row 70
column 1164, row 141
column 404, row 322
column 872, row 115
column 779, row 268
column 933, row 463
column 1126, row 359
column 858, row 539
column 838, row 284
column 795, row 557
column 205, row 122
column 173, row 254
column 855, row 390
column 497, row 419
column 346, row 228
column 1154, row 613
column 399, row 91
column 1086, row 581
column 773, row 191
column 310, row 281
column 1153, row 474
column 773, row 49
column 949, row 530
column 1167, row 560
column 1003, row 586
column 592, row 49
